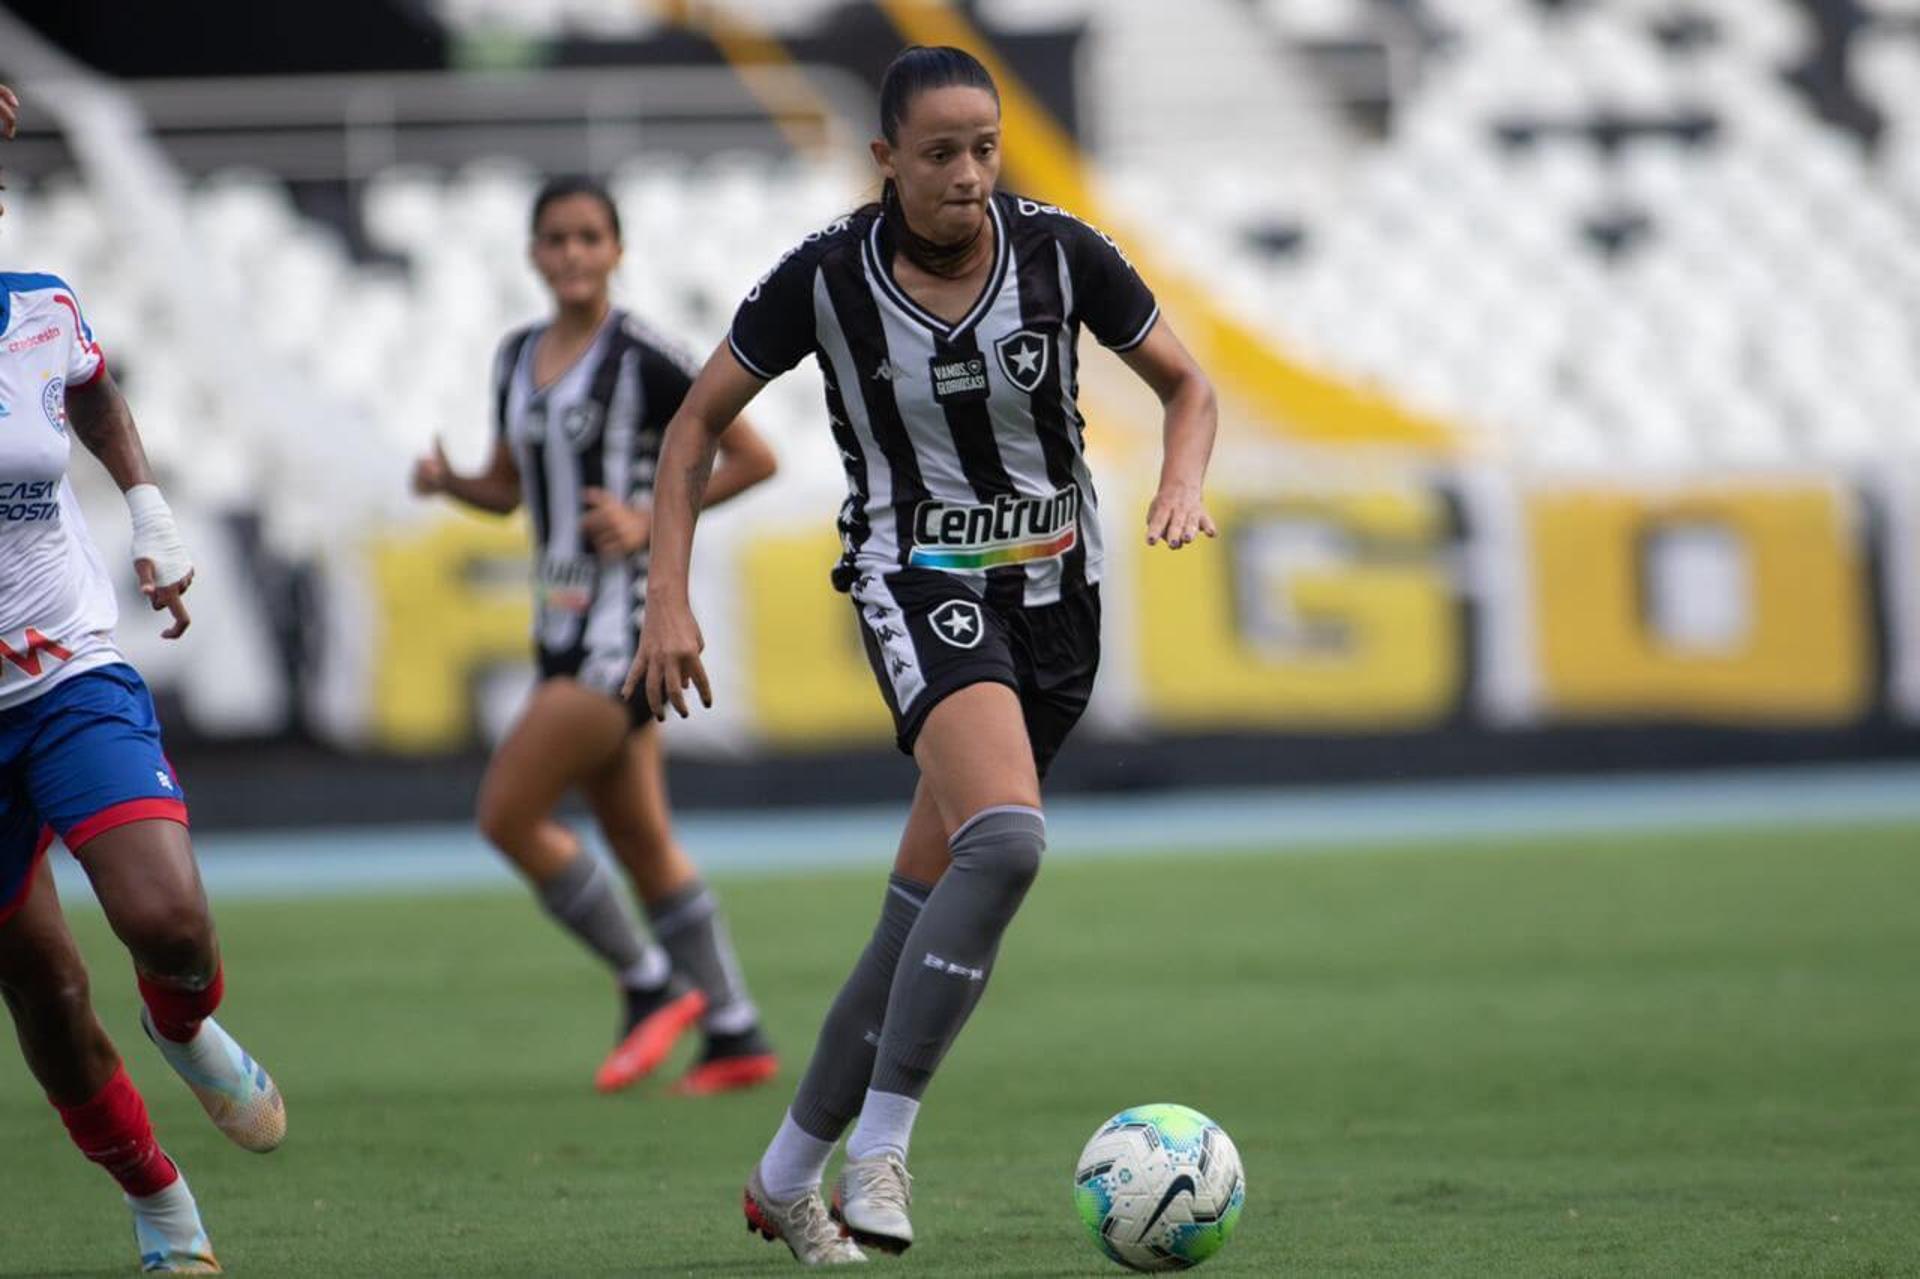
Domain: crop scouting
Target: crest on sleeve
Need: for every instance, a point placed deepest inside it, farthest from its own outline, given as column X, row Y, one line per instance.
column 1023, row 358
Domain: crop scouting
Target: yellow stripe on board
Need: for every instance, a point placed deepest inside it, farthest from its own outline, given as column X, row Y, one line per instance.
column 752, row 54
column 1302, row 404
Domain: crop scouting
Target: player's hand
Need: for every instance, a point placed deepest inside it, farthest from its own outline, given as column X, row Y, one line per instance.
column 617, row 530
column 1177, row 516
column 668, row 660
column 166, row 597
column 9, row 111
column 430, row 473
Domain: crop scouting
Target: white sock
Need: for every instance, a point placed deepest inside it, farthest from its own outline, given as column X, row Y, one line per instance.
column 794, row 1163
column 172, row 1203
column 885, row 1127
column 650, row 973
column 207, row 1054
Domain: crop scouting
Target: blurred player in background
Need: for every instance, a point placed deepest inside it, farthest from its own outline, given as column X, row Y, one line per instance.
column 580, row 405
column 944, row 320
column 81, row 758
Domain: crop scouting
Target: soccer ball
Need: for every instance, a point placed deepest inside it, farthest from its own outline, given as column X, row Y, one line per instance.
column 1159, row 1187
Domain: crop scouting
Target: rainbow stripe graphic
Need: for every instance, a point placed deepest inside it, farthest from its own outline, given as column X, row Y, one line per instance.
column 973, row 559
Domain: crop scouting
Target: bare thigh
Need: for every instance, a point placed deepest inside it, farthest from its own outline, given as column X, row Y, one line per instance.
column 974, row 754
column 45, row 986
column 149, row 886
column 629, row 800
column 566, row 734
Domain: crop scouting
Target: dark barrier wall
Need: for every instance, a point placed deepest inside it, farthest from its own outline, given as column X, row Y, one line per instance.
column 240, row 37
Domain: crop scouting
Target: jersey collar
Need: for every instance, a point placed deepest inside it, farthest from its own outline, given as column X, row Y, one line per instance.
column 878, row 269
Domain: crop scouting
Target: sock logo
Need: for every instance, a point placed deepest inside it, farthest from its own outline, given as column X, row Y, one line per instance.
column 952, row 969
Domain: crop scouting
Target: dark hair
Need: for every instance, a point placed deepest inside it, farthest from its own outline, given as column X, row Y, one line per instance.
column 562, row 188
column 919, row 69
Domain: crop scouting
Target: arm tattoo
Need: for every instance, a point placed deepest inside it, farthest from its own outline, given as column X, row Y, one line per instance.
column 699, row 473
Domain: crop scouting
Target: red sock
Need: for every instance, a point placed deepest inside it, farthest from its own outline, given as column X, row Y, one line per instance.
column 177, row 1013
column 113, row 1131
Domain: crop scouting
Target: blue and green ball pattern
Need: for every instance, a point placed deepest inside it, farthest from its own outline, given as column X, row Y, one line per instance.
column 1159, row 1187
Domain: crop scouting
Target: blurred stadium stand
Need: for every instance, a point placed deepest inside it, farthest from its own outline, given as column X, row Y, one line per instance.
column 1659, row 236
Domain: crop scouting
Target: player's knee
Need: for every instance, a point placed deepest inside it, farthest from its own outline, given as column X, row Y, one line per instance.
column 500, row 826
column 171, row 940
column 1003, row 844
column 59, row 988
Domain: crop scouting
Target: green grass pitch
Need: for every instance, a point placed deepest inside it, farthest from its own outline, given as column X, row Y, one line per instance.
column 1680, row 1055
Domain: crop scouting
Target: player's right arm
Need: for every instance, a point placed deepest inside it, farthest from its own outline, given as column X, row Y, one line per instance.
column 772, row 331
column 670, row 643
column 496, row 489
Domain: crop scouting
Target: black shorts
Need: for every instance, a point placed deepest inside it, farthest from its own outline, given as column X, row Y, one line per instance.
column 927, row 636
column 601, row 672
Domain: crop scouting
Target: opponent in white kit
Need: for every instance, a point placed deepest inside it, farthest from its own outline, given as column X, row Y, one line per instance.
column 81, row 759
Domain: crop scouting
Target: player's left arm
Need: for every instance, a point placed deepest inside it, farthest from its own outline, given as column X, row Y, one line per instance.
column 100, row 417
column 1178, row 513
column 619, row 529
column 746, row 459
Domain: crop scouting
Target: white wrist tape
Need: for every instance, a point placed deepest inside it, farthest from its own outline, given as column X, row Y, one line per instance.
column 155, row 538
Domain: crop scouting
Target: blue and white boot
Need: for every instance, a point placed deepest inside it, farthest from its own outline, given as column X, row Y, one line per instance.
column 167, row 1230
column 234, row 1089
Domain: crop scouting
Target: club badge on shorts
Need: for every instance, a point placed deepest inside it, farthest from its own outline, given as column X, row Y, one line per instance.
column 958, row 623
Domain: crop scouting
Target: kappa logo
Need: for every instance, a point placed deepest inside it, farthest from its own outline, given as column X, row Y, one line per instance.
column 958, row 623
column 1023, row 358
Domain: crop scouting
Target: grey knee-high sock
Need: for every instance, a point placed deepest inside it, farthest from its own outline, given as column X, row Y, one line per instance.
column 586, row 901
column 836, row 1079
column 688, row 923
column 948, row 954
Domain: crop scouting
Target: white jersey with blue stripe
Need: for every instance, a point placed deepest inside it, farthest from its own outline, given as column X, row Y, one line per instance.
column 57, row 609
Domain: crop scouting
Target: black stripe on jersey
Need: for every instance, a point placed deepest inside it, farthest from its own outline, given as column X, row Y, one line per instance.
column 591, row 449
column 971, row 424
column 878, row 256
column 535, row 487
column 510, row 353
column 1040, row 296
column 855, row 526
column 858, row 316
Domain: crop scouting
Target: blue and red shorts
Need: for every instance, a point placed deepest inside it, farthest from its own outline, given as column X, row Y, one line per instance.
column 77, row 762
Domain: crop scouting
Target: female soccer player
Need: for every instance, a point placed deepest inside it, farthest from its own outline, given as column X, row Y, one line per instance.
column 945, row 321
column 80, row 758
column 580, row 403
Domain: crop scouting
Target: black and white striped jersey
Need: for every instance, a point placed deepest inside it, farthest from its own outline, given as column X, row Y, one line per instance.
column 963, row 443
column 597, row 425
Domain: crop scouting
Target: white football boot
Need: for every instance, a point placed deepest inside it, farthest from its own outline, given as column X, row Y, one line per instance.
column 167, row 1230
column 803, row 1225
column 234, row 1089
column 871, row 1200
